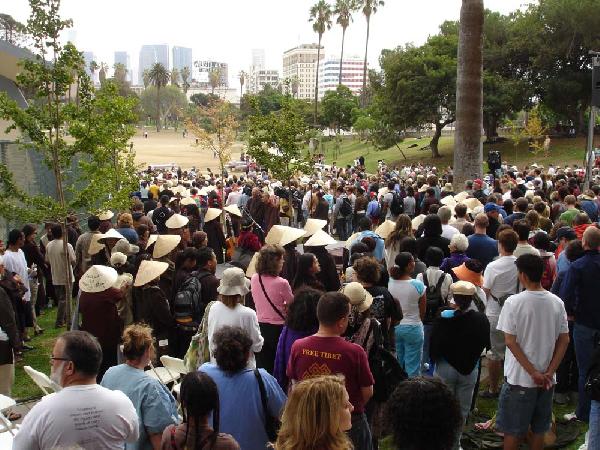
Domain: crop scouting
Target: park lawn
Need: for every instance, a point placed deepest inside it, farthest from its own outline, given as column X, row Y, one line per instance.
column 562, row 151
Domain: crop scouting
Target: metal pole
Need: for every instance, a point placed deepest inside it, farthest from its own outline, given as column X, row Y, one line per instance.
column 590, row 149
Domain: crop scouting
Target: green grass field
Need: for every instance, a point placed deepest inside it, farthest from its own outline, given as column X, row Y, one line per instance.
column 562, row 151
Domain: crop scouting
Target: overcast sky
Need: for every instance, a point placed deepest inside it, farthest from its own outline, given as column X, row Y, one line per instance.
column 227, row 30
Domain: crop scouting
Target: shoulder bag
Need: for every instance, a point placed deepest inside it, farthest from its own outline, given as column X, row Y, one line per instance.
column 272, row 424
column 269, row 300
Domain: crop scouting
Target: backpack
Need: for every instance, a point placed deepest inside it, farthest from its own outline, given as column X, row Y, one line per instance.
column 479, row 303
column 198, row 352
column 433, row 295
column 187, row 303
column 346, row 207
column 396, row 205
column 547, row 276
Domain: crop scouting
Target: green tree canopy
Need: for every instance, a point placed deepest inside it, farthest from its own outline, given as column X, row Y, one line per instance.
column 337, row 107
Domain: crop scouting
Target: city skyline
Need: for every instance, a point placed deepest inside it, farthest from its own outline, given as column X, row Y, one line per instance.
column 275, row 26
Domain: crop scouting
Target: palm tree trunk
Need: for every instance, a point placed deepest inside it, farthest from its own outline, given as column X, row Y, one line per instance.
column 363, row 94
column 157, row 109
column 317, row 82
column 468, row 149
column 342, row 54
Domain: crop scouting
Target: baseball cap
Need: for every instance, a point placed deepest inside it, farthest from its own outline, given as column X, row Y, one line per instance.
column 489, row 207
column 565, row 232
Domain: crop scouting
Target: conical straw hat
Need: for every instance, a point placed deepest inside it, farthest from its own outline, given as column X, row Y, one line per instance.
column 176, row 221
column 320, row 238
column 233, row 209
column 471, row 203
column 148, row 271
column 187, row 201
column 314, row 225
column 417, row 221
column 106, row 215
column 111, row 234
column 385, row 228
column 461, row 197
column 165, row 243
column 97, row 279
column 212, row 214
column 95, row 245
column 448, row 200
column 282, row 235
column 152, row 239
column 251, row 270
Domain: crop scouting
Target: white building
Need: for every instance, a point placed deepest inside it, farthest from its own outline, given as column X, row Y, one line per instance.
column 300, row 68
column 258, row 79
column 352, row 74
column 258, row 58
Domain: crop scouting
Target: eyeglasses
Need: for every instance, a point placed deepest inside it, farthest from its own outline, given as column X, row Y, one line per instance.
column 53, row 358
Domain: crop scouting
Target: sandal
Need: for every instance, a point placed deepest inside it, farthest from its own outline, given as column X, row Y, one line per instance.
column 12, row 416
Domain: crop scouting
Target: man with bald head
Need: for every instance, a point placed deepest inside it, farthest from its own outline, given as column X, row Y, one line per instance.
column 579, row 291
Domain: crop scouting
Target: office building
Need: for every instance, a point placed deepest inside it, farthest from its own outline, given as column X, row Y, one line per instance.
column 352, row 74
column 150, row 55
column 201, row 70
column 258, row 59
column 300, row 67
column 258, row 79
column 88, row 57
column 123, row 58
column 182, row 57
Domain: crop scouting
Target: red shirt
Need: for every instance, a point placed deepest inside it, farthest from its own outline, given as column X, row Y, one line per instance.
column 314, row 356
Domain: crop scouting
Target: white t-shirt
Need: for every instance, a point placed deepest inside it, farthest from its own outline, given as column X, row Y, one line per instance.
column 16, row 262
column 501, row 278
column 433, row 276
column 525, row 249
column 86, row 416
column 448, row 231
column 408, row 293
column 536, row 318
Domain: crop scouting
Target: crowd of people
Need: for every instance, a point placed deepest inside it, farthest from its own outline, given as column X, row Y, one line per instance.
column 323, row 312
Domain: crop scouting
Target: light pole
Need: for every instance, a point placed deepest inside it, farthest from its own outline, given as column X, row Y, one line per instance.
column 594, row 105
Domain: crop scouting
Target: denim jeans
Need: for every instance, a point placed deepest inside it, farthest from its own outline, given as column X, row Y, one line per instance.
column 594, row 431
column 341, row 227
column 409, row 348
column 461, row 385
column 585, row 339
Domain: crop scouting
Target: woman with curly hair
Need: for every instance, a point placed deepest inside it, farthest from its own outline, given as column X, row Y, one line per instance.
column 316, row 416
column 392, row 243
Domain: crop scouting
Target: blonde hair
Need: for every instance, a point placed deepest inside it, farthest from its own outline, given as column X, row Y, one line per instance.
column 231, row 300
column 137, row 338
column 311, row 418
column 125, row 220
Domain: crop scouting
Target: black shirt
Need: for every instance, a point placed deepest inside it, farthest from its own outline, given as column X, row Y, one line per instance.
column 385, row 308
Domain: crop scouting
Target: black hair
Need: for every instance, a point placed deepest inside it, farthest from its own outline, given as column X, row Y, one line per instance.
column 332, row 306
column 422, row 413
column 532, row 266
column 303, row 275
column 232, row 347
column 408, row 244
column 522, row 228
column 468, row 229
column 302, row 313
column 432, row 226
column 56, row 231
column 359, row 247
column 182, row 256
column 574, row 250
column 434, row 256
column 28, row 230
column 14, row 236
column 204, row 255
column 400, row 268
column 474, row 265
column 541, row 241
column 199, row 397
column 94, row 222
column 83, row 350
column 164, row 200
column 364, row 224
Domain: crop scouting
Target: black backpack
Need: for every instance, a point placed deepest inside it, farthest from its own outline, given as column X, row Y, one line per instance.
column 346, row 207
column 434, row 297
column 396, row 205
column 187, row 305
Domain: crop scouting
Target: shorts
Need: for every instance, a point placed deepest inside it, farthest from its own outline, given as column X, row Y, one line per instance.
column 520, row 408
column 497, row 341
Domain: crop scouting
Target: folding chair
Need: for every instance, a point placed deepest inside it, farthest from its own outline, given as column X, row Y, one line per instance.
column 162, row 374
column 42, row 380
column 6, row 402
column 176, row 368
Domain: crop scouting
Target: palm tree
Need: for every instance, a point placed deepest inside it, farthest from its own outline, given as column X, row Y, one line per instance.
column 185, row 76
column 214, row 79
column 146, row 78
column 175, row 76
column 158, row 76
column 120, row 73
column 102, row 72
column 242, row 77
column 343, row 10
column 468, row 151
column 295, row 85
column 93, row 67
column 369, row 7
column 320, row 15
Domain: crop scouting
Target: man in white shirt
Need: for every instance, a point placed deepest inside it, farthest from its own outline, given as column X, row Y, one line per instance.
column 500, row 280
column 535, row 327
column 55, row 256
column 445, row 214
column 523, row 229
column 82, row 414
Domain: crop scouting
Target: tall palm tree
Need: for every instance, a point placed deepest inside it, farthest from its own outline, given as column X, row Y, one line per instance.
column 295, row 85
column 120, row 72
column 242, row 78
column 320, row 15
column 158, row 76
column 175, row 76
column 185, row 77
column 468, row 150
column 214, row 79
column 146, row 78
column 369, row 7
column 93, row 67
column 343, row 10
column 102, row 72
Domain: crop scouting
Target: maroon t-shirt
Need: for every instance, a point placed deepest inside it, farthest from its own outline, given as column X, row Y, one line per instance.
column 314, row 356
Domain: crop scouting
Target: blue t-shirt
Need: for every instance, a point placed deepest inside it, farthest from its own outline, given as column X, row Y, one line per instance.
column 483, row 248
column 240, row 405
column 155, row 406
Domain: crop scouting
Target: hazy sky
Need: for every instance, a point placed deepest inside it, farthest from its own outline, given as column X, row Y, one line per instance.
column 227, row 30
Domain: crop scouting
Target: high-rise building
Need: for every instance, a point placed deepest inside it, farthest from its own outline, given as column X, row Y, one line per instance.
column 88, row 57
column 150, row 55
column 300, row 68
column 258, row 79
column 258, row 59
column 352, row 74
column 123, row 58
column 182, row 57
column 203, row 68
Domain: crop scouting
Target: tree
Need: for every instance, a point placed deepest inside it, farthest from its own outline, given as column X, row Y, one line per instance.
column 158, row 76
column 11, row 30
column 369, row 7
column 320, row 15
column 93, row 68
column 337, row 107
column 102, row 73
column 242, row 78
column 175, row 77
column 364, row 126
column 173, row 103
column 343, row 10
column 276, row 141
column 468, row 148
column 201, row 99
column 295, row 84
column 146, row 78
column 185, row 77
column 98, row 128
column 214, row 79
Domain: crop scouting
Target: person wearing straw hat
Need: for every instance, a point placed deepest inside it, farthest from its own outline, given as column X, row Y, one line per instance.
column 108, row 240
column 124, row 282
column 153, row 306
column 98, row 309
column 214, row 232
column 177, row 225
column 105, row 220
column 328, row 275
